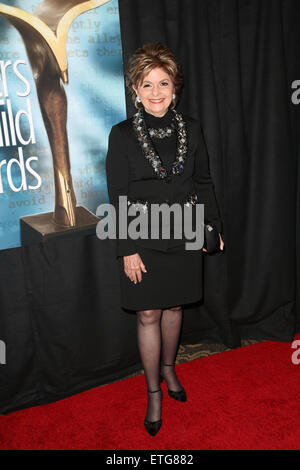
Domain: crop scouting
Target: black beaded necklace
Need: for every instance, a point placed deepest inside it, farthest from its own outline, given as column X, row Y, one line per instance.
column 142, row 133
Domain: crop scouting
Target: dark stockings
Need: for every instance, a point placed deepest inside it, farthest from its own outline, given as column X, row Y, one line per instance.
column 149, row 342
column 170, row 329
column 158, row 334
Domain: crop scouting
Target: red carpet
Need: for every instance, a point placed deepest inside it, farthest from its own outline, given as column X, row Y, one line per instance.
column 248, row 398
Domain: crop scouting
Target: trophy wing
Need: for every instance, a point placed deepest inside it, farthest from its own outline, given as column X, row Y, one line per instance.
column 26, row 23
column 69, row 17
column 19, row 18
column 35, row 33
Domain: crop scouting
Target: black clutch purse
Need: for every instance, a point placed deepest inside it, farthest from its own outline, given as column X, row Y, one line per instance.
column 211, row 238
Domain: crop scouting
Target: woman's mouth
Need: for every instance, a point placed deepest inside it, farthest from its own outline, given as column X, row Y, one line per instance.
column 157, row 101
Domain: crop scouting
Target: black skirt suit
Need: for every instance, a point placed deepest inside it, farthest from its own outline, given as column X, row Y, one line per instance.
column 174, row 274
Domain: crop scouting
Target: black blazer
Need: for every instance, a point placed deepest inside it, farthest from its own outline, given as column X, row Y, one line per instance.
column 130, row 174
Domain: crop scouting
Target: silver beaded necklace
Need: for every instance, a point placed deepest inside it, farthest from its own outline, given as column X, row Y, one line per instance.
column 148, row 150
column 162, row 132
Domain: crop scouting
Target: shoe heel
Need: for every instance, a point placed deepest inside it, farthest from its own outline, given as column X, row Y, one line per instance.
column 180, row 395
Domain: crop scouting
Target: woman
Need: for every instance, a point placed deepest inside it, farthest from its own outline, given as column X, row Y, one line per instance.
column 158, row 156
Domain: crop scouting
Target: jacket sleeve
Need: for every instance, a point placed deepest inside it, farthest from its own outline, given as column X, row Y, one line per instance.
column 204, row 185
column 117, row 172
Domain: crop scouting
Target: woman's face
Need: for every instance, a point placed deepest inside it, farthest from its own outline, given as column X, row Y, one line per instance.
column 156, row 92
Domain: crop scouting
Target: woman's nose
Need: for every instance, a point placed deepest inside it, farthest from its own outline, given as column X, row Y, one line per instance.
column 155, row 91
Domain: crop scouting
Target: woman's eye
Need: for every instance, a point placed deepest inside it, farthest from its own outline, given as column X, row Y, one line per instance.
column 165, row 84
column 147, row 85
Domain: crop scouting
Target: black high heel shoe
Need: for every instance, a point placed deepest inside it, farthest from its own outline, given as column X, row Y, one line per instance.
column 180, row 395
column 152, row 427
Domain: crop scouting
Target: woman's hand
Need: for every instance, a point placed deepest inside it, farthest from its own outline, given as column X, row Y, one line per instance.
column 133, row 267
column 221, row 244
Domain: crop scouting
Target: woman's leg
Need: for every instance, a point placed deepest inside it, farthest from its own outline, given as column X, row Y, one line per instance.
column 149, row 342
column 170, row 327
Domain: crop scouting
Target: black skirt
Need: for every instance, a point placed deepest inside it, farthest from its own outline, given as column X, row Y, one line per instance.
column 173, row 278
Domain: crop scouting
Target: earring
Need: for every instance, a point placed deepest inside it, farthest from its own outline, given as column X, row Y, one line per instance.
column 137, row 101
column 173, row 101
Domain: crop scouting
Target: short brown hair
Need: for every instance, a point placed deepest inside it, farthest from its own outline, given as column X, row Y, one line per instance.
column 148, row 57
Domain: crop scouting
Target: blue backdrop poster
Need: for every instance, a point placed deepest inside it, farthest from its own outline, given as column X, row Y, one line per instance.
column 96, row 101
